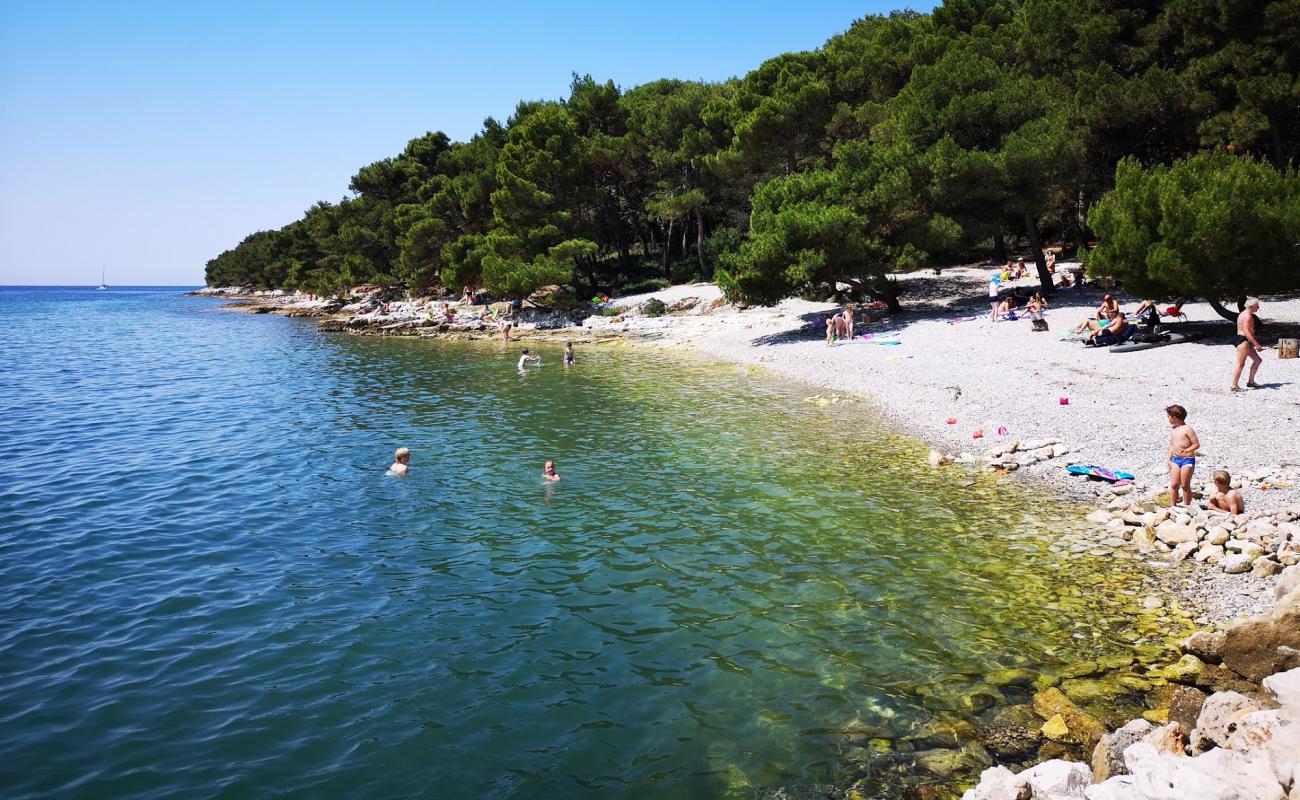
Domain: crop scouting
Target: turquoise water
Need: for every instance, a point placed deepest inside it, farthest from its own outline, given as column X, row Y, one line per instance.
column 212, row 589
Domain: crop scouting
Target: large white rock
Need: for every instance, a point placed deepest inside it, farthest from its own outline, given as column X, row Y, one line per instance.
column 1172, row 533
column 1056, row 779
column 1236, row 563
column 1220, row 711
column 1287, row 582
column 1217, row 775
column 1285, row 689
column 997, row 783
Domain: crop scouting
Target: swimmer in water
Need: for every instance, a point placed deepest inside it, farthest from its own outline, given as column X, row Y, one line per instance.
column 525, row 359
column 401, row 459
column 548, row 471
column 568, row 354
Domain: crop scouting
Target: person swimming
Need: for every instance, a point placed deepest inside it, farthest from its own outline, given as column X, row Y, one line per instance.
column 548, row 471
column 401, row 461
column 568, row 354
column 525, row 359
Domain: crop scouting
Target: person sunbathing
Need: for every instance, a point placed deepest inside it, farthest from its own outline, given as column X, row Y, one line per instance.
column 1109, row 333
column 1066, row 281
column 1020, row 268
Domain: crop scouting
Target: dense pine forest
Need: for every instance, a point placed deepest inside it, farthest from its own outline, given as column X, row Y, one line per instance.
column 1163, row 131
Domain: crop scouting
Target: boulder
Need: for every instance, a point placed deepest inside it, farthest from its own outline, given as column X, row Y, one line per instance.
column 1205, row 645
column 1288, row 581
column 1217, row 535
column 1209, row 552
column 1056, row 780
column 1186, row 670
column 1080, row 728
column 1011, row 732
column 1182, row 551
column 1265, row 568
column 1108, row 755
column 998, row 783
column 1255, row 731
column 1235, row 564
column 1172, row 533
column 1144, row 539
column 1170, row 738
column 1284, row 687
column 1098, row 517
column 1218, row 719
column 1185, row 707
column 1217, row 775
column 1251, row 648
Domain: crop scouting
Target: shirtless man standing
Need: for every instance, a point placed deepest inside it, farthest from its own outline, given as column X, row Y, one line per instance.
column 1247, row 345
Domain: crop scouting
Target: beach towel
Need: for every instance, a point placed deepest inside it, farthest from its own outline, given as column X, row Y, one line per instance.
column 1099, row 473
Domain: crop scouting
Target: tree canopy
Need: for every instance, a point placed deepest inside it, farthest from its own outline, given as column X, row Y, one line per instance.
column 907, row 140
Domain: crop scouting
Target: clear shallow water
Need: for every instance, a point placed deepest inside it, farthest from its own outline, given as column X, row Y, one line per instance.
column 211, row 588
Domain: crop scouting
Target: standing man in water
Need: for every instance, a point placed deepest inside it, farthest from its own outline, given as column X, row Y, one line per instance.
column 1247, row 345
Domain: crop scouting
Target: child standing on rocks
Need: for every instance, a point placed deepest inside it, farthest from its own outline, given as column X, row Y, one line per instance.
column 1183, row 445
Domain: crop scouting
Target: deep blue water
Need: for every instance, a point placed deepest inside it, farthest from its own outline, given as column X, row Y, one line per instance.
column 212, row 589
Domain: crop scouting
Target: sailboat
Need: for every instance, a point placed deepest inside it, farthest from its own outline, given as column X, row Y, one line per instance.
column 103, row 287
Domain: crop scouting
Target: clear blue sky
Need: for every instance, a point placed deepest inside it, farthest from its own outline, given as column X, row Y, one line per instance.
column 150, row 136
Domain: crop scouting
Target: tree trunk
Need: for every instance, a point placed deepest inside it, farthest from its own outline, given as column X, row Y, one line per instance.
column 1275, row 136
column 1221, row 310
column 885, row 290
column 699, row 242
column 1036, row 247
column 668, row 246
column 999, row 246
column 685, row 225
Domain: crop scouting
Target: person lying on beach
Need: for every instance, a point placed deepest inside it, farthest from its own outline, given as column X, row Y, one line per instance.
column 401, row 458
column 568, row 354
column 1226, row 498
column 1108, row 308
column 1066, row 281
column 1110, row 332
column 525, row 359
column 548, row 471
column 1183, row 445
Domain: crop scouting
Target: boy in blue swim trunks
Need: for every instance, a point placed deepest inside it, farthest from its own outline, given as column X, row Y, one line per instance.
column 1183, row 445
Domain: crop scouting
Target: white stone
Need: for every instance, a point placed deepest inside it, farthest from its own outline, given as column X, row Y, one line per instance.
column 1218, row 775
column 1172, row 533
column 1235, row 564
column 1214, row 724
column 997, row 783
column 1055, row 779
column 1182, row 551
column 1285, row 689
column 1217, row 535
column 1287, row 582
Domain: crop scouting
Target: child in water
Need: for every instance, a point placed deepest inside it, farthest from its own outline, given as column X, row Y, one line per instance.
column 401, row 458
column 568, row 354
column 548, row 471
column 525, row 359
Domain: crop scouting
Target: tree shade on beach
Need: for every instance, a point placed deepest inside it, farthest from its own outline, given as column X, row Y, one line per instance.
column 907, row 140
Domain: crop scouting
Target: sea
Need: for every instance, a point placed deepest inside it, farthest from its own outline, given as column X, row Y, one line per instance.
column 213, row 589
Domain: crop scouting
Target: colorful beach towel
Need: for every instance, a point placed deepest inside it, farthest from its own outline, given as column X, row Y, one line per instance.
column 1100, row 473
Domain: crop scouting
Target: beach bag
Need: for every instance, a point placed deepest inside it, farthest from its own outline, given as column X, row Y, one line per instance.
column 1040, row 324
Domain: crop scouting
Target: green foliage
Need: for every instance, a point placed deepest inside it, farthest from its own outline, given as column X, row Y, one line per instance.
column 902, row 140
column 654, row 307
column 1211, row 226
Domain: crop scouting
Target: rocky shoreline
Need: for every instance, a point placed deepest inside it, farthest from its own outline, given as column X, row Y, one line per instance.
column 1207, row 570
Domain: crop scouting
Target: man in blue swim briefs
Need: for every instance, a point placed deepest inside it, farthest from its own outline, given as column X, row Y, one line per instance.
column 1183, row 445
